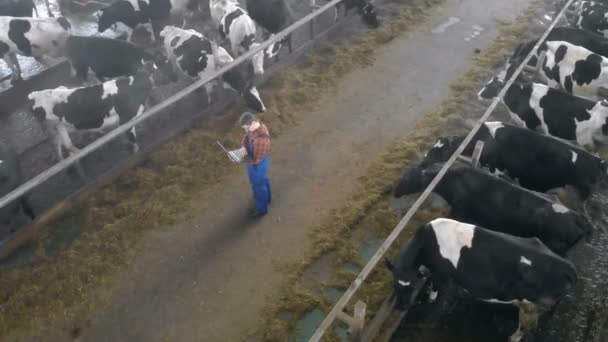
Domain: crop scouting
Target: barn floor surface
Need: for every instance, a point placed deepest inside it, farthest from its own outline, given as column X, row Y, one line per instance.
column 209, row 279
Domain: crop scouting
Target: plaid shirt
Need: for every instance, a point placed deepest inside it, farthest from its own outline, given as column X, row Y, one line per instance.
column 260, row 140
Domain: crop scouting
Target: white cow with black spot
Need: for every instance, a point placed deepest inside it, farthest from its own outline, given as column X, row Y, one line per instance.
column 490, row 266
column 94, row 108
column 236, row 26
column 32, row 37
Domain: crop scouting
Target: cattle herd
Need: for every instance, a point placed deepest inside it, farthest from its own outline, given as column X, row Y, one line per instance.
column 506, row 239
column 125, row 73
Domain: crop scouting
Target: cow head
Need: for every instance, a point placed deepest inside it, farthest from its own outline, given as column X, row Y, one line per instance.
column 235, row 80
column 404, row 281
column 162, row 68
column 112, row 14
column 491, row 89
column 368, row 13
column 413, row 180
column 441, row 151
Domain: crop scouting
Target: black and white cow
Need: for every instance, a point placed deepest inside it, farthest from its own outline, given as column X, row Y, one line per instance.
column 477, row 197
column 589, row 40
column 238, row 27
column 21, row 8
column 127, row 15
column 10, row 179
column 32, row 37
column 490, row 266
column 365, row 8
column 537, row 162
column 92, row 53
column 274, row 16
column 550, row 111
column 593, row 17
column 196, row 57
column 575, row 69
column 94, row 108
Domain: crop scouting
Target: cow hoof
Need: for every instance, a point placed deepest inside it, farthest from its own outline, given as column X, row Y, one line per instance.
column 16, row 81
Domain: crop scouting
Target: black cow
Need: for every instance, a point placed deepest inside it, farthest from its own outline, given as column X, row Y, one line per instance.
column 110, row 58
column 365, row 8
column 21, row 8
column 274, row 16
column 490, row 266
column 550, row 111
column 536, row 161
column 32, row 37
column 10, row 179
column 592, row 17
column 93, row 108
column 477, row 197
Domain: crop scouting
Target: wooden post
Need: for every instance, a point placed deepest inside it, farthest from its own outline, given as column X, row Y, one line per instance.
column 539, row 63
column 477, row 153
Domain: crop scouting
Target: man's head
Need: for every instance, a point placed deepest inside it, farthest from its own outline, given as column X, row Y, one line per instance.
column 249, row 122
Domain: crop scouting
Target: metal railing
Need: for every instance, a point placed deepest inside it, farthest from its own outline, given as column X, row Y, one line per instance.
column 158, row 108
column 338, row 309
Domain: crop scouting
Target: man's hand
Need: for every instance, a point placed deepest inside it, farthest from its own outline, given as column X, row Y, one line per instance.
column 243, row 152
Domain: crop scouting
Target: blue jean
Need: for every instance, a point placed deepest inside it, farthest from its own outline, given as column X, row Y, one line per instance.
column 260, row 185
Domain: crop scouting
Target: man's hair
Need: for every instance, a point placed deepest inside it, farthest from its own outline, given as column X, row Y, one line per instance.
column 247, row 118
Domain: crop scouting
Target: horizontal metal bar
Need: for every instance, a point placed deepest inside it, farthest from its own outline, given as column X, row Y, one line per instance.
column 66, row 163
column 356, row 284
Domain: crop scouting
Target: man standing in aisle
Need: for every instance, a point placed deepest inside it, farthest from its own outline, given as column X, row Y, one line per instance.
column 256, row 149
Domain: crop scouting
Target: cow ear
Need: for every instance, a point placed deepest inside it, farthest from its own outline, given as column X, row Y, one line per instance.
column 389, row 265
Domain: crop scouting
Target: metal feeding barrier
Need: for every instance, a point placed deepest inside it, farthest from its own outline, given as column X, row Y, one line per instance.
column 97, row 144
column 356, row 323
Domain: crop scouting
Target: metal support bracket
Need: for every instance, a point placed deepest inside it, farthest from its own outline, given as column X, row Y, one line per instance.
column 539, row 63
column 477, row 153
column 356, row 323
column 474, row 160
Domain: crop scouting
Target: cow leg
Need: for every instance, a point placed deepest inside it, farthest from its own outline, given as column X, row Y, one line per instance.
column 13, row 64
column 208, row 90
column 48, row 8
column 155, row 29
column 528, row 320
column 289, row 44
column 65, row 139
column 27, row 208
column 132, row 137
